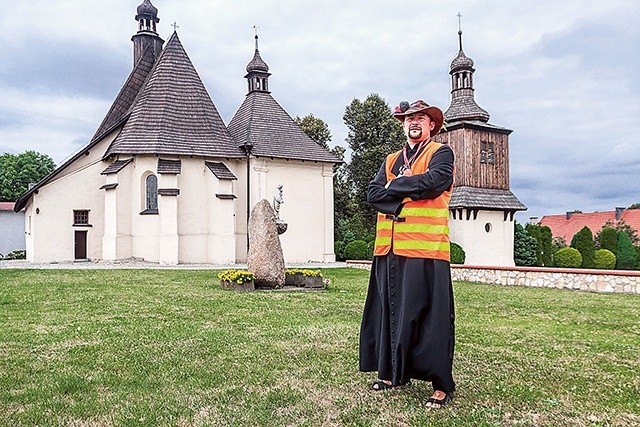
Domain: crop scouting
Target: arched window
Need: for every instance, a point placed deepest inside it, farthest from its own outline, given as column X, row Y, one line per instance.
column 151, row 184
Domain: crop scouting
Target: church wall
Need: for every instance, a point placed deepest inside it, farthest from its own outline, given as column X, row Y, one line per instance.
column 206, row 225
column 145, row 229
column 50, row 219
column 304, row 208
column 482, row 247
column 239, row 169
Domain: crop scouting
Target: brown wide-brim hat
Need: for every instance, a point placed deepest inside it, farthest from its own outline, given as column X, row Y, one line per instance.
column 404, row 109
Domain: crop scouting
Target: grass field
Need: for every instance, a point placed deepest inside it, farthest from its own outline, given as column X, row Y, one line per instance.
column 168, row 347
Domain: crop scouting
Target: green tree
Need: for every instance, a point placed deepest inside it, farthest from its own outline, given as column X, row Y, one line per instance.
column 583, row 242
column 621, row 225
column 544, row 240
column 607, row 238
column 627, row 257
column 316, row 128
column 17, row 171
column 524, row 247
column 372, row 134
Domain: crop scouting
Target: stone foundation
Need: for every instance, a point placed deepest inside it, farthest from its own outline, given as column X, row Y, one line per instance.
column 614, row 281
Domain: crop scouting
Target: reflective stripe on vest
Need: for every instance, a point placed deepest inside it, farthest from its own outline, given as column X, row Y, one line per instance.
column 421, row 230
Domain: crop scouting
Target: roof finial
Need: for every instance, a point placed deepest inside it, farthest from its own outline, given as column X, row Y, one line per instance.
column 460, row 29
column 255, row 28
column 175, row 25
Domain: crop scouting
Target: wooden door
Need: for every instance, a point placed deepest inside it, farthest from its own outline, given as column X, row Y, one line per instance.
column 81, row 245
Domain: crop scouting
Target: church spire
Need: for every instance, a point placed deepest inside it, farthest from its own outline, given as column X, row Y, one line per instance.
column 147, row 35
column 463, row 104
column 257, row 71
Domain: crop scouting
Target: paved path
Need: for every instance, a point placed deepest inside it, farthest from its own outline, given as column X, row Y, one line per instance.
column 132, row 263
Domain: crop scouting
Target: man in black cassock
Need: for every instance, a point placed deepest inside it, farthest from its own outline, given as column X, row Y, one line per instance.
column 407, row 329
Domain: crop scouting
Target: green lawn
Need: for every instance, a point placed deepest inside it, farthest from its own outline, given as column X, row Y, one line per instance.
column 163, row 347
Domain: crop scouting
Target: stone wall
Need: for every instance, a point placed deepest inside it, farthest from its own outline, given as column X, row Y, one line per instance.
column 615, row 281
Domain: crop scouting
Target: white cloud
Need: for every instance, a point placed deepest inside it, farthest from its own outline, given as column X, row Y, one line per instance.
column 562, row 75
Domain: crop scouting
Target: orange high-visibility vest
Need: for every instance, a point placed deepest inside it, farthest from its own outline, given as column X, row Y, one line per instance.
column 421, row 229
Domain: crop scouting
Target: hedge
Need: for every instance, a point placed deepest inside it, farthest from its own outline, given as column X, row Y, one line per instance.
column 568, row 258
column 605, row 259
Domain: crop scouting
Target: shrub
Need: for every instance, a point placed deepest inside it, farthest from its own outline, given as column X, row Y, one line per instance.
column 338, row 248
column 568, row 258
column 608, row 239
column 627, row 257
column 605, row 259
column 358, row 249
column 583, row 242
column 457, row 254
column 16, row 255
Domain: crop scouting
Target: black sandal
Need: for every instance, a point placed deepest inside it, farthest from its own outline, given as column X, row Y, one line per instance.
column 448, row 397
column 380, row 385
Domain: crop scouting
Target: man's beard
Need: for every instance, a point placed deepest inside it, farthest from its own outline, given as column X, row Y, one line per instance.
column 415, row 133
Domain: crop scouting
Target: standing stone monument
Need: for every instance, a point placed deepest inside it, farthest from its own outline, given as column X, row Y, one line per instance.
column 265, row 259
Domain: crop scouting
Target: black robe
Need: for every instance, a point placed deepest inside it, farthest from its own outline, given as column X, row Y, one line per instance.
column 407, row 327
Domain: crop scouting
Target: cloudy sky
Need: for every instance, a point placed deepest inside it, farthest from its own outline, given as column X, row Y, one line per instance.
column 563, row 75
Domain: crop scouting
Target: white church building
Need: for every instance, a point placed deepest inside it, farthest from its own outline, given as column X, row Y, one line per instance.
column 165, row 180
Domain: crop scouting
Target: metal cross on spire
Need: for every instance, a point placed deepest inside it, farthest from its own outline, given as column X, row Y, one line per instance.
column 255, row 28
column 460, row 30
column 174, row 25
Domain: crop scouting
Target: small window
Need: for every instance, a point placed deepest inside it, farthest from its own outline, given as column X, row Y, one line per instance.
column 487, row 153
column 81, row 217
column 152, row 193
column 488, row 227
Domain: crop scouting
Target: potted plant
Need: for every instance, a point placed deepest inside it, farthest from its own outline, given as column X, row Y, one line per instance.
column 237, row 280
column 303, row 278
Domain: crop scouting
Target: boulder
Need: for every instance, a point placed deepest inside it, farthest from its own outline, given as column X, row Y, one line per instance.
column 265, row 259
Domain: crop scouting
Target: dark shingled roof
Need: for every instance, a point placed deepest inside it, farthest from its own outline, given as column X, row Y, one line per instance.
column 225, row 196
column 146, row 8
column 109, row 186
column 173, row 114
column 116, row 166
column 170, row 167
column 128, row 93
column 220, row 170
column 464, row 107
column 485, row 198
column 461, row 61
column 261, row 121
column 257, row 64
column 476, row 124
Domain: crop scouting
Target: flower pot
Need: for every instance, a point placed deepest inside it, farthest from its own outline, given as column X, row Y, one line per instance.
column 299, row 279
column 248, row 286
